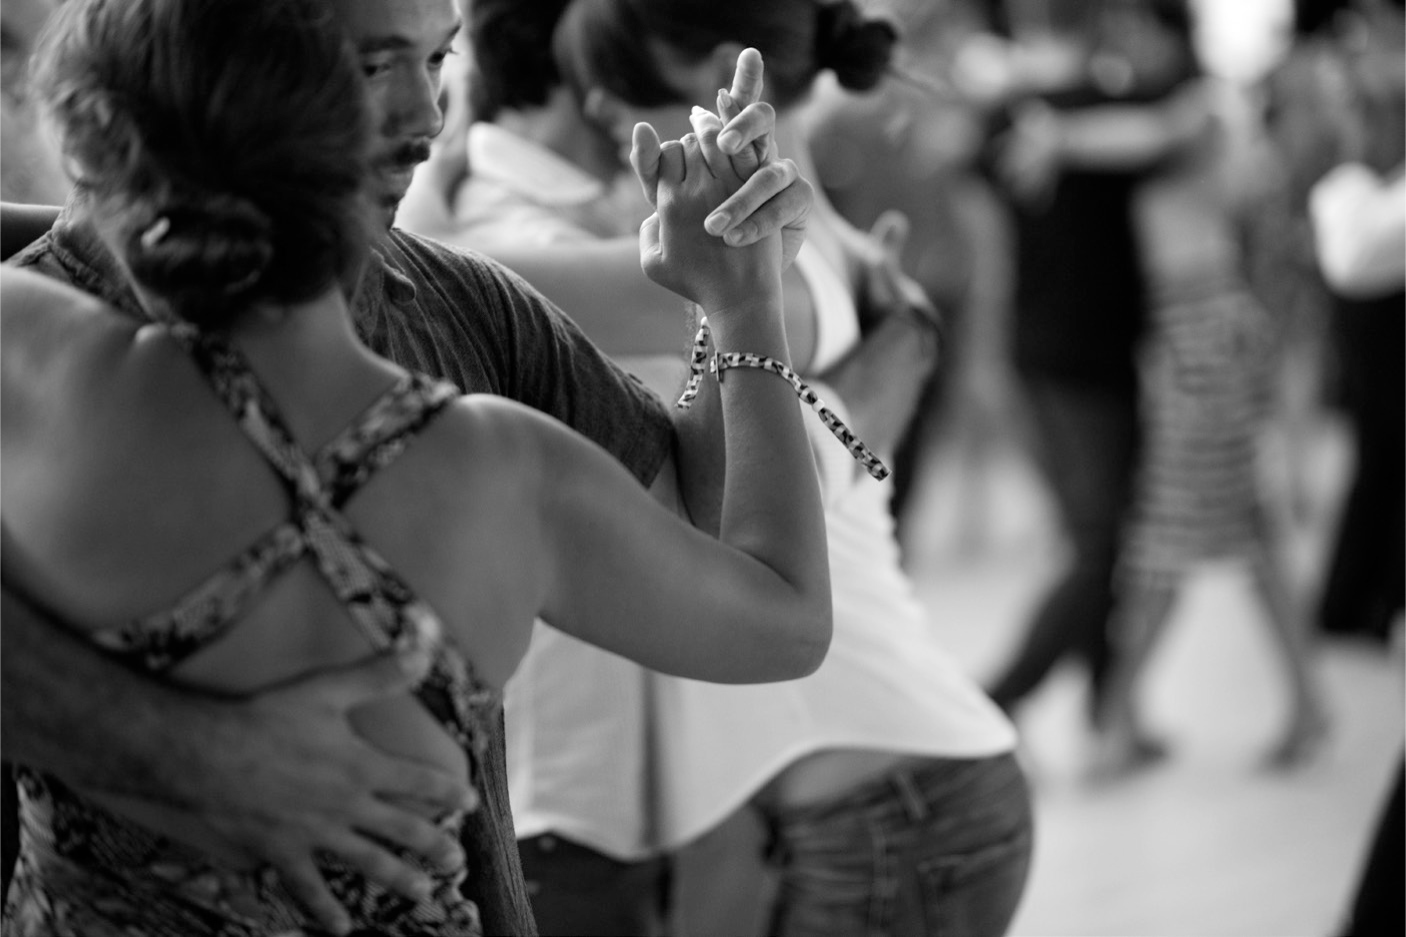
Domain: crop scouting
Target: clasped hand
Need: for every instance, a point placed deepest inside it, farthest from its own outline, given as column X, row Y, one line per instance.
column 758, row 193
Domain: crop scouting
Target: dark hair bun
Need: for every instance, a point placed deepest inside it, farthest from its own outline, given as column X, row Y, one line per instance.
column 215, row 250
column 856, row 49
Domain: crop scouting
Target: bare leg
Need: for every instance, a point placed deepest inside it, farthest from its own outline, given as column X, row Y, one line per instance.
column 1144, row 607
column 1308, row 721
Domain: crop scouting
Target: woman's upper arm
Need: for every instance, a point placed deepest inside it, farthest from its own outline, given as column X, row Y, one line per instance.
column 629, row 576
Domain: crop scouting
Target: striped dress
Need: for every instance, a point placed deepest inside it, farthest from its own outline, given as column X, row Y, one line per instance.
column 1206, row 372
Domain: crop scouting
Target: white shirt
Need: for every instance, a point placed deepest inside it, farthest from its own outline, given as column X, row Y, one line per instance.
column 576, row 733
column 886, row 684
column 1359, row 230
column 518, row 191
column 629, row 763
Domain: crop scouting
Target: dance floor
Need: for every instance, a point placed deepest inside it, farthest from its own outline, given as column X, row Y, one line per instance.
column 1207, row 842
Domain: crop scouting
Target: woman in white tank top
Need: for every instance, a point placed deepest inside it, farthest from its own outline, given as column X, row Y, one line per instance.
column 886, row 782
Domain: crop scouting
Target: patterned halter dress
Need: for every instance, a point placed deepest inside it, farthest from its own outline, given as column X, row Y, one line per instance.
column 87, row 872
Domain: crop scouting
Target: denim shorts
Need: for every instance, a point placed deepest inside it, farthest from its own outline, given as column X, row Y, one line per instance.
column 936, row 848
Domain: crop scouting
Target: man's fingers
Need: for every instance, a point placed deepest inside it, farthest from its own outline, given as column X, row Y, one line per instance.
column 703, row 120
column 691, row 155
column 671, row 162
column 694, row 163
column 749, row 132
column 353, row 685
column 727, row 107
column 400, row 779
column 384, row 675
column 382, row 867
column 399, row 826
column 438, row 789
column 747, row 78
column 763, row 204
column 644, row 159
column 300, row 876
column 749, row 122
column 706, row 126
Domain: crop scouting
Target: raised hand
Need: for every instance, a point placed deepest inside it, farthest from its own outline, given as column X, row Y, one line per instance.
column 694, row 176
column 774, row 197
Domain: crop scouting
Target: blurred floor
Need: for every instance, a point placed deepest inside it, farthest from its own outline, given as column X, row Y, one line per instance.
column 1208, row 842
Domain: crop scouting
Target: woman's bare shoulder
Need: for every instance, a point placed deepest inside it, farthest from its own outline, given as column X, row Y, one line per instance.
column 32, row 300
column 43, row 321
column 521, row 452
column 41, row 316
column 26, row 290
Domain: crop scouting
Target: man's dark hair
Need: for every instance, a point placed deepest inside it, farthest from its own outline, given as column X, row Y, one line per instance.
column 512, row 54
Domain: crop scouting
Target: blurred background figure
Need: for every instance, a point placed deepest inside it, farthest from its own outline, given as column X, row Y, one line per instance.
column 1293, row 98
column 1078, row 307
column 1363, row 590
column 30, row 173
column 30, row 167
column 1358, row 214
column 1206, row 372
column 911, row 146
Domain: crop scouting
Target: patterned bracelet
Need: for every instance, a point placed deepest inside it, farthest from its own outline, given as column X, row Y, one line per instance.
column 741, row 359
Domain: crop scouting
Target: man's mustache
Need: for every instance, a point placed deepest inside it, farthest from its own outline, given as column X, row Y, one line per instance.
column 406, row 155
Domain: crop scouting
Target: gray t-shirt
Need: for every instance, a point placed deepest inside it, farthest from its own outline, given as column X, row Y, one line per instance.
column 461, row 317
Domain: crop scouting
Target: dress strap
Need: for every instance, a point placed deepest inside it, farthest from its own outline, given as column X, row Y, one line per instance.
column 383, row 606
column 234, row 382
column 380, row 434
column 343, row 465
column 162, row 640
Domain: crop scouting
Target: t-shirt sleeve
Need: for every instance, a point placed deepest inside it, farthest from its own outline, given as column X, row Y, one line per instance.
column 533, row 353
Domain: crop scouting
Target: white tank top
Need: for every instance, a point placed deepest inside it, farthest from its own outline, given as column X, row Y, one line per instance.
column 886, row 684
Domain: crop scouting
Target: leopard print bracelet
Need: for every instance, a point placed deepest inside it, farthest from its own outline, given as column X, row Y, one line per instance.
column 721, row 361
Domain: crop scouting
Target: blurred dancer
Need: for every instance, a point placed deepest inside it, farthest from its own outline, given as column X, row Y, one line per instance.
column 1366, row 579
column 1358, row 210
column 1207, row 377
column 1080, row 306
column 31, row 169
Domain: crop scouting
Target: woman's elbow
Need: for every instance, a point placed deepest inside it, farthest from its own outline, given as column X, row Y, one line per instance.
column 807, row 647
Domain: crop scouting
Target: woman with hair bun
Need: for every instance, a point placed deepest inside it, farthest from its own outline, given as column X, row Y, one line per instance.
column 886, row 783
column 221, row 486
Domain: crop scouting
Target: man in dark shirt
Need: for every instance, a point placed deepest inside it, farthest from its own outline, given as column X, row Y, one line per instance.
column 282, row 775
